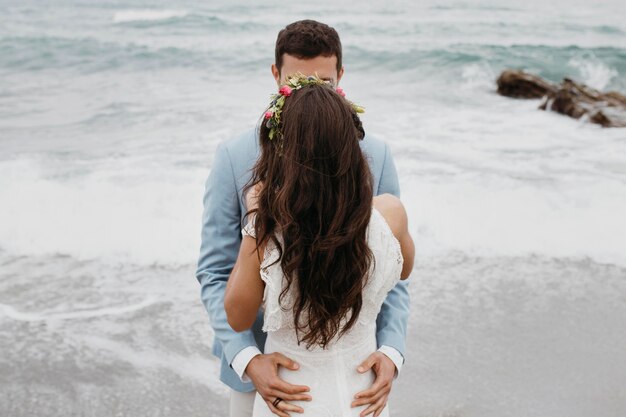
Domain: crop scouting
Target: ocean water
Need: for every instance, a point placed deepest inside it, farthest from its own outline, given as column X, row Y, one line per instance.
column 110, row 113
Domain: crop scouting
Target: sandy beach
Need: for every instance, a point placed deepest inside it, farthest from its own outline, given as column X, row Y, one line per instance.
column 134, row 341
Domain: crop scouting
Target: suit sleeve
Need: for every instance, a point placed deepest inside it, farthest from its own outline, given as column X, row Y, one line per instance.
column 389, row 176
column 221, row 238
column 391, row 322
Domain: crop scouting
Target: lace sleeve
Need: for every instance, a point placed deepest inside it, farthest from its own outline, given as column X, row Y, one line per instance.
column 272, row 275
column 273, row 315
column 248, row 229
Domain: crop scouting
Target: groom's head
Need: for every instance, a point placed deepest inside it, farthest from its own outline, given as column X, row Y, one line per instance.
column 308, row 47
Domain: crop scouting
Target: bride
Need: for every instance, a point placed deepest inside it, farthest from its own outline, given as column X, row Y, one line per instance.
column 319, row 252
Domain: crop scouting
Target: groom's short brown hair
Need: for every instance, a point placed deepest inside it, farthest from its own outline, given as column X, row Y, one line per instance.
column 307, row 39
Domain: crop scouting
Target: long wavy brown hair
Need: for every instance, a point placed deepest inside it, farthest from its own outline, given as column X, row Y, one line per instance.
column 317, row 194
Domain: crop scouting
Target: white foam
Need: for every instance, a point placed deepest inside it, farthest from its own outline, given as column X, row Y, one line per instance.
column 158, row 222
column 593, row 72
column 190, row 366
column 146, row 15
column 478, row 76
column 579, row 222
column 100, row 216
column 17, row 315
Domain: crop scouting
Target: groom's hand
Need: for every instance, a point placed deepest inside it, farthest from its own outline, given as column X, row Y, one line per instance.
column 263, row 371
column 376, row 396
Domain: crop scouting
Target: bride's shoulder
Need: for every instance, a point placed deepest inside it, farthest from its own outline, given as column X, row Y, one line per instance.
column 393, row 211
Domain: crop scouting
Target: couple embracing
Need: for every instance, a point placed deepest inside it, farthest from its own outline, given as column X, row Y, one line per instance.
column 305, row 248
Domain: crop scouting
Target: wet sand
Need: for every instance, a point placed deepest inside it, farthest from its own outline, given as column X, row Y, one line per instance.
column 488, row 337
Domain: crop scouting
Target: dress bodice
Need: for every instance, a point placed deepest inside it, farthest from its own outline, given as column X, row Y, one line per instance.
column 383, row 275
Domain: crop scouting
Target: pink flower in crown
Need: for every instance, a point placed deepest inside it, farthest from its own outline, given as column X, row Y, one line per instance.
column 340, row 91
column 268, row 114
column 285, row 90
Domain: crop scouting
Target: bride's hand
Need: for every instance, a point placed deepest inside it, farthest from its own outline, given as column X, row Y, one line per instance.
column 377, row 395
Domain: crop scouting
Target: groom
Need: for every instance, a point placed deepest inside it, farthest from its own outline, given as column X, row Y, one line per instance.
column 311, row 48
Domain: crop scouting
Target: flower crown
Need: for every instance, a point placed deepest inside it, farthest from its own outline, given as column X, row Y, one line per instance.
column 295, row 82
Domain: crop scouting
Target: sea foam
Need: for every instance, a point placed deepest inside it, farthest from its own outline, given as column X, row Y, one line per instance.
column 593, row 71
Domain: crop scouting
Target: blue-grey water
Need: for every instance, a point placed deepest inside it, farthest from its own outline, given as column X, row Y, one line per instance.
column 110, row 113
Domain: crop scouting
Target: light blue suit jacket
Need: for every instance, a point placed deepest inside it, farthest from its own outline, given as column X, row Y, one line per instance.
column 221, row 237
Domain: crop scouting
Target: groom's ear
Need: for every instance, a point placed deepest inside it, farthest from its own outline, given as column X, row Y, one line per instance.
column 339, row 75
column 276, row 73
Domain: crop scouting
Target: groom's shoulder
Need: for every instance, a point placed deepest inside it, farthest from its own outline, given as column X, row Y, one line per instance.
column 243, row 141
column 374, row 146
column 242, row 148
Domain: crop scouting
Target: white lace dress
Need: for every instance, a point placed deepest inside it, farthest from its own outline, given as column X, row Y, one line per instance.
column 330, row 373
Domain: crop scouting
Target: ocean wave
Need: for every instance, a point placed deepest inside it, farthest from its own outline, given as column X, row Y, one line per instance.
column 15, row 314
column 156, row 221
column 593, row 71
column 599, row 29
column 478, row 75
column 91, row 217
column 198, row 23
column 471, row 6
column 135, row 15
column 550, row 62
column 90, row 55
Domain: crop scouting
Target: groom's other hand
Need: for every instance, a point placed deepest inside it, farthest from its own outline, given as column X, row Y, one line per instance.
column 378, row 394
column 263, row 371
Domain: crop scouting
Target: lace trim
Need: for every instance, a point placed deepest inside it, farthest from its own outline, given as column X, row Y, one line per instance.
column 385, row 246
column 248, row 229
column 273, row 278
column 272, row 316
column 395, row 242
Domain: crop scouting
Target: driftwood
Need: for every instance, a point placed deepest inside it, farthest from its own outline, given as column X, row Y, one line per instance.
column 569, row 97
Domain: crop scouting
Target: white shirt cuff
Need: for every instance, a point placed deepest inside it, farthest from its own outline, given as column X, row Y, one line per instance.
column 242, row 359
column 395, row 356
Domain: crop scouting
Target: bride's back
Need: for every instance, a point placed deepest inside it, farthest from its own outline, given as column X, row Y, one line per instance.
column 329, row 371
column 317, row 196
column 384, row 273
